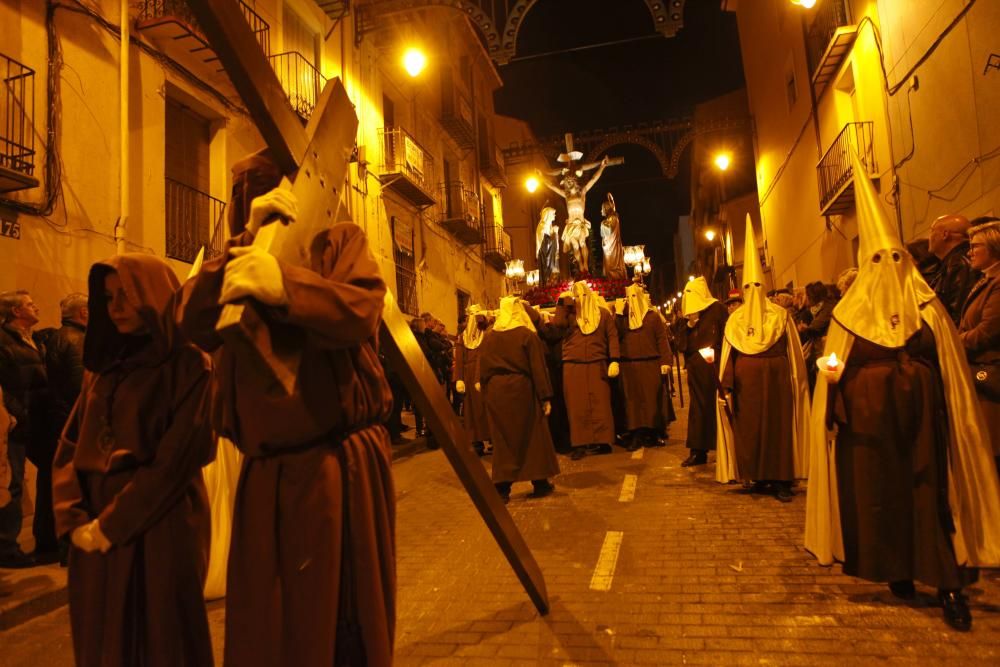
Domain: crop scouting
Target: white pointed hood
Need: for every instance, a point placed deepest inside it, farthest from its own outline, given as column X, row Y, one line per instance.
column 758, row 324
column 588, row 307
column 512, row 315
column 697, row 297
column 473, row 335
column 637, row 301
column 883, row 304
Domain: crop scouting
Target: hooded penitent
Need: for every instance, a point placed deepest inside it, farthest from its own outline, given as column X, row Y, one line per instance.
column 888, row 303
column 697, row 297
column 637, row 301
column 149, row 284
column 588, row 307
column 752, row 329
column 473, row 334
column 512, row 315
column 757, row 324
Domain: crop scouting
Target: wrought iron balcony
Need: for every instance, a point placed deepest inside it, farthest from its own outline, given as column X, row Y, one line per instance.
column 829, row 40
column 194, row 219
column 491, row 164
column 17, row 126
column 407, row 169
column 301, row 80
column 497, row 249
column 835, row 171
column 173, row 27
column 335, row 9
column 456, row 112
column 461, row 212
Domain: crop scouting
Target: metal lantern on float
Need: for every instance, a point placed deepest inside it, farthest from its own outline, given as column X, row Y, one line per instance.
column 646, row 268
column 515, row 269
column 532, row 278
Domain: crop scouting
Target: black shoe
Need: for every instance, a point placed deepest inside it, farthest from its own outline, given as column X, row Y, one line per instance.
column 599, row 449
column 578, row 453
column 697, row 458
column 784, row 494
column 904, row 589
column 17, row 560
column 45, row 557
column 542, row 489
column 956, row 611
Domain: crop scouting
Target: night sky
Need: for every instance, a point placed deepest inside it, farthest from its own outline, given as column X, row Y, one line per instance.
column 646, row 80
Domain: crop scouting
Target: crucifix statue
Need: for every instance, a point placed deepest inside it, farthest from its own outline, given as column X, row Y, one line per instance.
column 576, row 231
column 314, row 160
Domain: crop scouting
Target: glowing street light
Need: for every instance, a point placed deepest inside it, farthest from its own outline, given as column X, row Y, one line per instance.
column 722, row 161
column 531, row 184
column 806, row 4
column 414, row 61
column 710, row 234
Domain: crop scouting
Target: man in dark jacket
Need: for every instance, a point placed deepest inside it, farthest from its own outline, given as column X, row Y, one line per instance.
column 949, row 242
column 64, row 366
column 25, row 388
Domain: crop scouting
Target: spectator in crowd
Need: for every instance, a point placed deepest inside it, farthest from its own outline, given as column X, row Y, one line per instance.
column 813, row 334
column 733, row 301
column 927, row 264
column 979, row 328
column 949, row 242
column 25, row 388
column 7, row 424
column 799, row 307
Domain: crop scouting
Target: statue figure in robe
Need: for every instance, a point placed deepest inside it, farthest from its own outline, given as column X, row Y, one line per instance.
column 547, row 246
column 611, row 241
column 576, row 232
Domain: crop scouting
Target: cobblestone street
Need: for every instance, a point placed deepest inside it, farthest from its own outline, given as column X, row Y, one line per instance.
column 705, row 574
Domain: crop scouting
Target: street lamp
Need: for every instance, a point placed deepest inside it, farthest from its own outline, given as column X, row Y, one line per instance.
column 710, row 235
column 531, row 184
column 805, row 4
column 414, row 61
column 722, row 161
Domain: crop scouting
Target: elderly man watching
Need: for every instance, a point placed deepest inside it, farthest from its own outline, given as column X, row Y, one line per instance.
column 949, row 242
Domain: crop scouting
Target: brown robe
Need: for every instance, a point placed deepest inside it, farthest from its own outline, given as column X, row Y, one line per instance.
column 702, row 388
column 516, row 383
column 131, row 456
column 318, row 587
column 980, row 334
column 644, row 350
column 585, row 378
column 763, row 413
column 891, row 457
column 474, row 416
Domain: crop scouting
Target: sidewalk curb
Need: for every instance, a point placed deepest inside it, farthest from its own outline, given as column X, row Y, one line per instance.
column 33, row 608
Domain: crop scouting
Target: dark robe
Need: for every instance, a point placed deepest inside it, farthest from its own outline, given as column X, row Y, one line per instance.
column 702, row 387
column 318, row 588
column 546, row 259
column 466, row 370
column 558, row 418
column 891, row 457
column 644, row 350
column 131, row 456
column 763, row 413
column 516, row 383
column 585, row 378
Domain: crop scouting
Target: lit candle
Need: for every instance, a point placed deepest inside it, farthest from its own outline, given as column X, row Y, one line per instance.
column 708, row 354
column 832, row 363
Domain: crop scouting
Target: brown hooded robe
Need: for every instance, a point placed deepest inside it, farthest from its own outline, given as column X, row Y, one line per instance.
column 474, row 416
column 318, row 587
column 131, row 456
column 644, row 389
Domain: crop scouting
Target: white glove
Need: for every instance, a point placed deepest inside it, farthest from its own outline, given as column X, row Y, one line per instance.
column 255, row 273
column 90, row 538
column 546, row 408
column 479, row 387
column 664, row 370
column 613, row 369
column 276, row 202
column 460, row 387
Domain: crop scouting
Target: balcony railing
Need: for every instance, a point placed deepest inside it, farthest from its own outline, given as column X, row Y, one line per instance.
column 301, row 80
column 461, row 212
column 835, row 171
column 456, row 112
column 829, row 39
column 491, row 164
column 17, row 126
column 497, row 249
column 194, row 220
column 172, row 25
column 406, row 168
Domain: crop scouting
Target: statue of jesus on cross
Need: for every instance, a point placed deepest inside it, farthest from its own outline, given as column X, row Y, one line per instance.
column 576, row 231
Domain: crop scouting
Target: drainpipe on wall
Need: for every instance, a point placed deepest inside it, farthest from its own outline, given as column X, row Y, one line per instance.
column 120, row 225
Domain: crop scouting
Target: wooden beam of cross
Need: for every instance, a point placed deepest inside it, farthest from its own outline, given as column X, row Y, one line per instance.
column 570, row 156
column 314, row 160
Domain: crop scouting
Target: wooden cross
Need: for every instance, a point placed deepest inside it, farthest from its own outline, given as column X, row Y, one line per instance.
column 589, row 166
column 314, row 160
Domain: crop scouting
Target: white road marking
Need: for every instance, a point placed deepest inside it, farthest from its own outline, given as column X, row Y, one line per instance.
column 628, row 488
column 637, row 454
column 604, row 572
